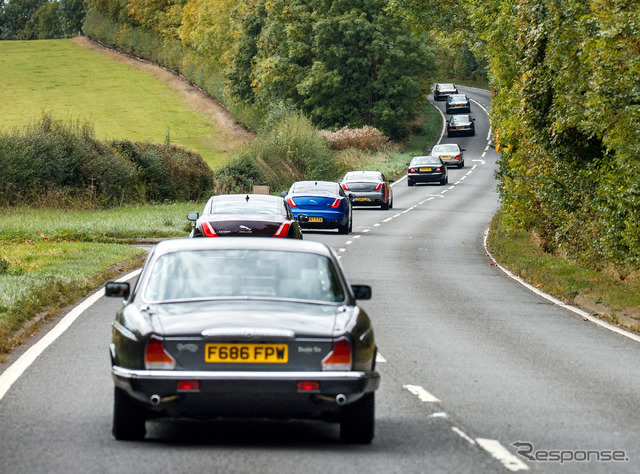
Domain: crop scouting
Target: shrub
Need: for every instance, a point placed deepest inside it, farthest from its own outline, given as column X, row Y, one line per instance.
column 365, row 138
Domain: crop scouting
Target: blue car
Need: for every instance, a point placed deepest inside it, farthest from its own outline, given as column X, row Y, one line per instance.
column 320, row 205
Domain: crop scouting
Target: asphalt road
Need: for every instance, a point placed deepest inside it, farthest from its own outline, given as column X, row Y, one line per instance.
column 472, row 362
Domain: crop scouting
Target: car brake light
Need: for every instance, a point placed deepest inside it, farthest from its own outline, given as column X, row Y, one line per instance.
column 291, row 203
column 208, row 230
column 438, row 169
column 378, row 187
column 336, row 203
column 412, row 170
column 308, row 386
column 340, row 356
column 283, row 230
column 457, row 157
column 188, row 386
column 345, row 187
column 155, row 357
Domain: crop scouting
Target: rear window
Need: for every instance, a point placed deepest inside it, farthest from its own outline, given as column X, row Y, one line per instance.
column 253, row 206
column 223, row 273
column 315, row 187
column 425, row 160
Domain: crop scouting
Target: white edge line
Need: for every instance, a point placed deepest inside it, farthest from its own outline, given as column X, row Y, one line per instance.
column 556, row 301
column 15, row 370
column 463, row 435
column 502, row 454
column 421, row 393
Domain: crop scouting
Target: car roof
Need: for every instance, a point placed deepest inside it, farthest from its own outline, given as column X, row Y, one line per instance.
column 256, row 243
column 243, row 197
column 363, row 174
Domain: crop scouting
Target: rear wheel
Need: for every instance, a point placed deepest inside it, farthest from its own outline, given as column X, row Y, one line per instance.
column 343, row 229
column 409, row 182
column 443, row 181
column 357, row 424
column 128, row 417
column 461, row 164
column 385, row 206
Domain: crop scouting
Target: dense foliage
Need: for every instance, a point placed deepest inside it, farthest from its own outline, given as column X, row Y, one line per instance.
column 54, row 164
column 567, row 115
column 342, row 63
column 40, row 19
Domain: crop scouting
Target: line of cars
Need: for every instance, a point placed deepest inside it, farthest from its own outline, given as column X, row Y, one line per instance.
column 265, row 327
column 433, row 167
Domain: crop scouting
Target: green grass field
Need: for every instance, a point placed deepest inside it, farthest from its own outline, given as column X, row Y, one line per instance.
column 74, row 83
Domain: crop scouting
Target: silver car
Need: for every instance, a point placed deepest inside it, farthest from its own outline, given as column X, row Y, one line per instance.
column 369, row 188
column 450, row 153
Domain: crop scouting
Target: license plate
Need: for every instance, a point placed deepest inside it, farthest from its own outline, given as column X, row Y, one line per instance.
column 445, row 157
column 256, row 353
column 460, row 127
column 315, row 219
column 362, row 199
column 423, row 170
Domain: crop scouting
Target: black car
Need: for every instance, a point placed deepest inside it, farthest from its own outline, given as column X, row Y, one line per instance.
column 457, row 103
column 243, row 328
column 427, row 169
column 442, row 91
column 245, row 215
column 460, row 125
column 369, row 188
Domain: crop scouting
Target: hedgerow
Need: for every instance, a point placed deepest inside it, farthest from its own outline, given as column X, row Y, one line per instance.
column 55, row 164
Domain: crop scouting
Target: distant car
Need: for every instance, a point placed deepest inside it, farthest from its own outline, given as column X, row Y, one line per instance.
column 457, row 103
column 243, row 328
column 321, row 205
column 442, row 91
column 369, row 188
column 460, row 125
column 427, row 169
column 450, row 153
column 245, row 215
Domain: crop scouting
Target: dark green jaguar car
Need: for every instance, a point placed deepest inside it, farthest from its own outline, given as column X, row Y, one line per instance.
column 235, row 328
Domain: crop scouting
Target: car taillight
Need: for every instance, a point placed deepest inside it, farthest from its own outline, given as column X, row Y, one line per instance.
column 308, row 386
column 457, row 157
column 188, row 386
column 291, row 203
column 412, row 170
column 283, row 230
column 155, row 357
column 336, row 203
column 378, row 187
column 345, row 187
column 340, row 356
column 207, row 230
column 438, row 169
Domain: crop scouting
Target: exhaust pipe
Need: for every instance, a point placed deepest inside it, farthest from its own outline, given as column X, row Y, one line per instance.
column 155, row 399
column 341, row 399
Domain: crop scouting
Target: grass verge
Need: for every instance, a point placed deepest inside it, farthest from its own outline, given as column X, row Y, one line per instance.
column 50, row 258
column 605, row 293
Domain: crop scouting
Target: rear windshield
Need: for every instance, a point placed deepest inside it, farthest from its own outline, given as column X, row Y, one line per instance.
column 445, row 149
column 253, row 206
column 223, row 273
column 425, row 160
column 313, row 187
column 372, row 176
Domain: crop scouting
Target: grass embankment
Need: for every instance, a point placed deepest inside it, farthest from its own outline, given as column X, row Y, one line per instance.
column 612, row 296
column 49, row 258
column 73, row 82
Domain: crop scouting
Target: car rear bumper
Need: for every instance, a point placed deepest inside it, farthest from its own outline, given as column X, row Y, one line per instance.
column 430, row 178
column 369, row 199
column 238, row 393
column 330, row 220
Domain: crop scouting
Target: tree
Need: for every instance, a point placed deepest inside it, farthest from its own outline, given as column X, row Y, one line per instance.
column 15, row 14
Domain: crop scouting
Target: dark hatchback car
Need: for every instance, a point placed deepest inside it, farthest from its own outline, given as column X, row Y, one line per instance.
column 442, row 91
column 369, row 188
column 243, row 328
column 460, row 125
column 321, row 205
column 245, row 215
column 458, row 103
column 427, row 169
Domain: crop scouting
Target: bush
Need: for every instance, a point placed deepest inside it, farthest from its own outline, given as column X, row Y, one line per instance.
column 365, row 138
column 54, row 164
